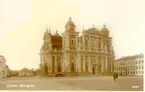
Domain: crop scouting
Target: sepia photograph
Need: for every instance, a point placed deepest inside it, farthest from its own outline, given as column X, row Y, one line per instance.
column 72, row 45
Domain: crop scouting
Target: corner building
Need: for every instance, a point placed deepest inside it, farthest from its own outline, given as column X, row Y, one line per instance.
column 130, row 65
column 90, row 53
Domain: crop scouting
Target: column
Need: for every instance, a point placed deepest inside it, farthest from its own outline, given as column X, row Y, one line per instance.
column 89, row 64
column 41, row 58
column 106, row 64
column 63, row 63
column 81, row 63
column 55, row 63
column 78, row 63
column 50, row 63
column 97, row 43
column 76, row 42
column 83, row 40
column 89, row 43
column 102, row 43
column 84, row 64
column 66, row 62
column 97, row 64
column 109, row 64
column 102, row 64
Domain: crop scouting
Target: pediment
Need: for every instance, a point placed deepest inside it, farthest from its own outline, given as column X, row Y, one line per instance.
column 93, row 31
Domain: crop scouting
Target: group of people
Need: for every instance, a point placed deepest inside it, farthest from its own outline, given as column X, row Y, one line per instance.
column 115, row 76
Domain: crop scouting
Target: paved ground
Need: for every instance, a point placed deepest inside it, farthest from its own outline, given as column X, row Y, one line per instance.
column 95, row 83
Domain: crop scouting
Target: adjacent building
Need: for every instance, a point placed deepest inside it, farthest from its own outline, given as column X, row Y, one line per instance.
column 3, row 67
column 130, row 65
column 25, row 73
column 69, row 53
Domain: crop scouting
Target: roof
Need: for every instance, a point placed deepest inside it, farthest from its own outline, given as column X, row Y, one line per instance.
column 56, row 41
column 46, row 33
column 70, row 22
column 130, row 57
column 3, row 58
column 92, row 31
column 105, row 29
column 25, row 69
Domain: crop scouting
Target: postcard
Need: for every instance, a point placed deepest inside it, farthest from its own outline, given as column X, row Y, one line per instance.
column 72, row 45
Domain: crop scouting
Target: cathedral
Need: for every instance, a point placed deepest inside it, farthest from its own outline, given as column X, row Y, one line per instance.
column 70, row 54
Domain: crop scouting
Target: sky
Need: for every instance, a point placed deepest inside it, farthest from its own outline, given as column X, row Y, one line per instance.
column 23, row 23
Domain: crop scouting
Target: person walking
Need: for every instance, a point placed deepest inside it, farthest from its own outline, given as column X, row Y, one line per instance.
column 114, row 77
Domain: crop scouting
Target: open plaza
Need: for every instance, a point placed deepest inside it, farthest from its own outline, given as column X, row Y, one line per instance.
column 81, row 83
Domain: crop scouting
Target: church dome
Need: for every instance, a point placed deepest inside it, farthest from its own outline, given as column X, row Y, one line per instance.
column 70, row 22
column 105, row 30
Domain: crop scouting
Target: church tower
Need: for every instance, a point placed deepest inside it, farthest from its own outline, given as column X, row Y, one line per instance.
column 44, row 52
column 69, row 45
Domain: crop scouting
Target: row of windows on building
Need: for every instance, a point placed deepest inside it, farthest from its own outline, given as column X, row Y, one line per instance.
column 129, row 67
column 131, row 62
column 136, row 72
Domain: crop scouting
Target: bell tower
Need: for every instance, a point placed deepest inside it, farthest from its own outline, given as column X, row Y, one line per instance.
column 70, row 37
column 70, row 26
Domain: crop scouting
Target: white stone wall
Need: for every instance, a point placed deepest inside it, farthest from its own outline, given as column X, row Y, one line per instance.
column 3, row 70
column 134, row 66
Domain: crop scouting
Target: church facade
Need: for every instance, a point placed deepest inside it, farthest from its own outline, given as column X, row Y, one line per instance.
column 71, row 54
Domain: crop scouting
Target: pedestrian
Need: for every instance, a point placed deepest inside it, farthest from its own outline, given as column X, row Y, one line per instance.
column 114, row 77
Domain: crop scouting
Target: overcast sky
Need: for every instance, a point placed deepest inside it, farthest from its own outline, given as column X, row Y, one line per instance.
column 23, row 23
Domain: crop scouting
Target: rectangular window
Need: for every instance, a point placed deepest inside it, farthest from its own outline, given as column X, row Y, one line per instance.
column 136, row 72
